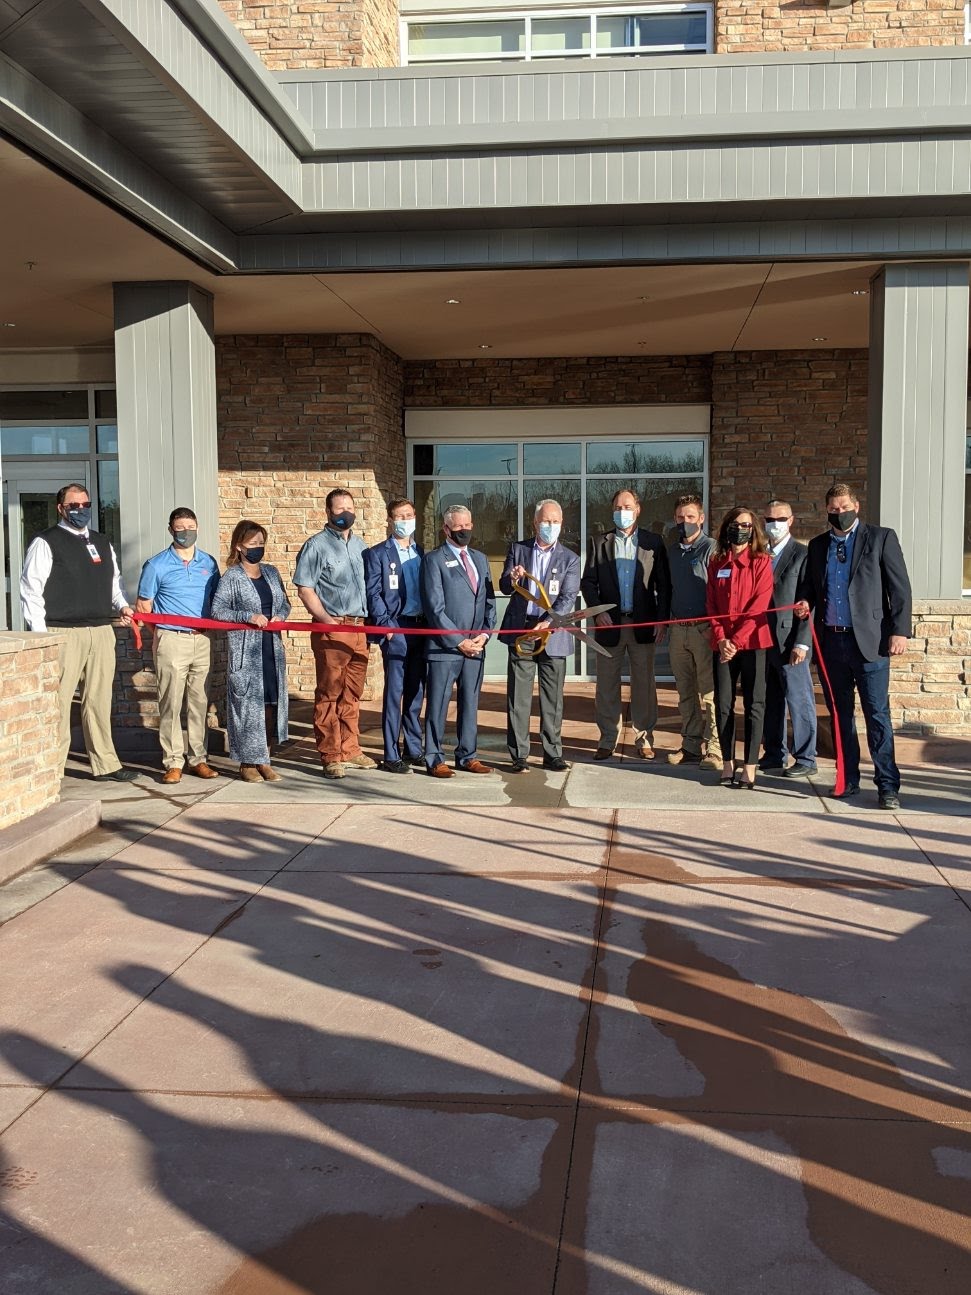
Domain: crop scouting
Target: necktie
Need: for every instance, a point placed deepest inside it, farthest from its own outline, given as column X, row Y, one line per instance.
column 470, row 571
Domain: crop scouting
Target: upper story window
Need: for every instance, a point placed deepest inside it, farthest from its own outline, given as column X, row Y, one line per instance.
column 581, row 32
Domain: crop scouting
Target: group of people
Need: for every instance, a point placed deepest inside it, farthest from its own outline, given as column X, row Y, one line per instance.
column 737, row 607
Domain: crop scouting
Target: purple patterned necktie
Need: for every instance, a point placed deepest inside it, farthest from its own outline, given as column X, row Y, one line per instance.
column 469, row 571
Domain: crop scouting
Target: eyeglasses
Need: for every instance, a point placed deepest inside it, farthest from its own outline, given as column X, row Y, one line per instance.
column 840, row 550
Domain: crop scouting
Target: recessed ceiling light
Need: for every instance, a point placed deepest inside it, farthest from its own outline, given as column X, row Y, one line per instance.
column 861, row 292
column 6, row 325
column 485, row 346
column 820, row 339
column 453, row 301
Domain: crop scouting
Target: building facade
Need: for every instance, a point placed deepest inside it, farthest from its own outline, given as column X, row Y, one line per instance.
column 490, row 253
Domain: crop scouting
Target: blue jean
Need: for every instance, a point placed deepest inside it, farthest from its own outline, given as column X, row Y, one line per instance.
column 444, row 672
column 404, row 687
column 850, row 673
column 789, row 688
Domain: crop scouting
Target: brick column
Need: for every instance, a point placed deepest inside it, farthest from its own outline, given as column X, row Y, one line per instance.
column 28, row 725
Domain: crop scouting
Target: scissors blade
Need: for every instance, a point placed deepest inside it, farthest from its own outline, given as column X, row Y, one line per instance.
column 583, row 614
column 590, row 642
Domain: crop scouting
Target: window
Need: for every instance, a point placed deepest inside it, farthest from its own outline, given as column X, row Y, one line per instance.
column 525, row 36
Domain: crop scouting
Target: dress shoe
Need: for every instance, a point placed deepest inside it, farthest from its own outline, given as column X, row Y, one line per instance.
column 268, row 773
column 202, row 771
column 116, row 775
column 603, row 753
column 440, row 771
column 475, row 766
column 645, row 751
column 683, row 757
column 416, row 761
column 395, row 766
column 334, row 769
column 361, row 761
column 851, row 789
column 889, row 800
column 555, row 763
column 800, row 771
column 171, row 776
column 520, row 766
column 249, row 773
column 772, row 766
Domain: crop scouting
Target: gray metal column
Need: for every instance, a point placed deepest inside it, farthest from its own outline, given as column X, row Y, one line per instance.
column 918, row 414
column 165, row 363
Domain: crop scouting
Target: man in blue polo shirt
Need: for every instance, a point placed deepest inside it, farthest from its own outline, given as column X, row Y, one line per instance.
column 180, row 581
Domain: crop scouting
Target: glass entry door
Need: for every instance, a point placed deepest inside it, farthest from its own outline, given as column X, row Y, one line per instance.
column 29, row 507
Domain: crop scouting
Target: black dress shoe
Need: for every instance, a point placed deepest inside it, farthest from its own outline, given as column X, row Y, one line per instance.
column 555, row 763
column 801, row 771
column 889, row 800
column 395, row 766
column 117, row 775
column 416, row 761
column 851, row 789
column 520, row 766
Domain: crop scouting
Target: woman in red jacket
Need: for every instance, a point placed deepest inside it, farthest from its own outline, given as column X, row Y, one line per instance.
column 740, row 590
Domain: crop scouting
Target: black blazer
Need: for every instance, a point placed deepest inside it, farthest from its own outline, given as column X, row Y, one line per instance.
column 652, row 584
column 789, row 576
column 880, row 599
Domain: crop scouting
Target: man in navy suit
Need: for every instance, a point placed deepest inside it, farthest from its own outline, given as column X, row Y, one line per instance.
column 392, row 580
column 545, row 558
column 858, row 589
column 456, row 595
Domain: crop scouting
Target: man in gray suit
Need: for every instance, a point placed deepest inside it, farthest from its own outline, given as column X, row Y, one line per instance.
column 457, row 596
column 788, row 681
column 545, row 558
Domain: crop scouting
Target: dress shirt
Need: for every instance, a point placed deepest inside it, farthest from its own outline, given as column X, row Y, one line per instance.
column 625, row 557
column 776, row 549
column 38, row 564
column 177, row 586
column 410, row 560
column 838, row 579
column 538, row 567
column 334, row 568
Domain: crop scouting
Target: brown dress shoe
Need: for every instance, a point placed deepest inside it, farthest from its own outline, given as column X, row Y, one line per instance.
column 268, row 773
column 603, row 753
column 249, row 773
column 645, row 751
column 203, row 771
column 441, row 771
column 172, row 775
column 476, row 766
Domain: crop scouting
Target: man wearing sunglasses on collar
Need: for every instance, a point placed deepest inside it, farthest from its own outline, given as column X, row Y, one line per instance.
column 858, row 590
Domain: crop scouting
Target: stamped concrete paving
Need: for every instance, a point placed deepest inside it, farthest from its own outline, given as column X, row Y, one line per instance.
column 269, row 1045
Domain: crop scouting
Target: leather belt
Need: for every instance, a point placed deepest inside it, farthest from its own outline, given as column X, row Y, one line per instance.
column 412, row 620
column 352, row 620
column 839, row 629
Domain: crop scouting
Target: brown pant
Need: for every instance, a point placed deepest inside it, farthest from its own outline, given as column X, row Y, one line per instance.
column 341, row 661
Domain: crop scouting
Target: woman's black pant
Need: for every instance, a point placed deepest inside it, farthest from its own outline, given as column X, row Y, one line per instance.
column 749, row 666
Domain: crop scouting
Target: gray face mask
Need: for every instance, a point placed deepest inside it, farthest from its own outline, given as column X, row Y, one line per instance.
column 184, row 539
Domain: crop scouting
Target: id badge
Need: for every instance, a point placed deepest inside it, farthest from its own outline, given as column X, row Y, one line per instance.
column 553, row 588
column 94, row 555
column 726, row 574
column 393, row 580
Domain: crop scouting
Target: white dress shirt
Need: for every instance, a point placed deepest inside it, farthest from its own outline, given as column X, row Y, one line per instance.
column 38, row 565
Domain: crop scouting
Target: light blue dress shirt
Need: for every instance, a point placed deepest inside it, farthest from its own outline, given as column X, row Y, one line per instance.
column 539, row 565
column 838, row 579
column 410, row 560
column 625, row 557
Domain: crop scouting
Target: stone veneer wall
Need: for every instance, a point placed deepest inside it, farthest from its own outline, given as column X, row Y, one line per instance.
column 743, row 26
column 318, row 33
column 930, row 686
column 28, row 725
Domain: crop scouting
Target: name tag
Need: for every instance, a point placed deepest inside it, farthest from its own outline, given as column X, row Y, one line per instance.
column 393, row 580
column 93, row 553
column 451, row 562
column 725, row 575
column 553, row 588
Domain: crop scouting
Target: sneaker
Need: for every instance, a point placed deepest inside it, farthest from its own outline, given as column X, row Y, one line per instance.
column 361, row 761
column 711, row 762
column 334, row 769
column 889, row 800
column 684, row 757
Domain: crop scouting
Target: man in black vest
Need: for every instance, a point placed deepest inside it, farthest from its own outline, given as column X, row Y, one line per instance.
column 71, row 585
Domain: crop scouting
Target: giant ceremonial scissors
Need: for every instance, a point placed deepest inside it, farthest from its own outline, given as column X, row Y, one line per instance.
column 533, row 642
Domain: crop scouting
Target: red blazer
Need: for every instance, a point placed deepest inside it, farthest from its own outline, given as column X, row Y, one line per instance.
column 745, row 595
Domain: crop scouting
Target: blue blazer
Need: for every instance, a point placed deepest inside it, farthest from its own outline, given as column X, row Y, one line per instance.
column 448, row 599
column 384, row 604
column 565, row 568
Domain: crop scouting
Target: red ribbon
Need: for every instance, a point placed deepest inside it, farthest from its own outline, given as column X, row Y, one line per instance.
column 340, row 627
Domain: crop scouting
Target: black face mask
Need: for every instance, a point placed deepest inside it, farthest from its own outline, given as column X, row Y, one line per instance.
column 841, row 521
column 738, row 534
column 184, row 539
column 461, row 537
column 80, row 517
column 343, row 521
column 688, row 530
column 253, row 555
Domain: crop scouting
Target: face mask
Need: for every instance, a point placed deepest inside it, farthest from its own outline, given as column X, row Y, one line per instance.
column 343, row 521
column 79, row 517
column 739, row 534
column 549, row 532
column 623, row 518
column 254, row 555
column 404, row 527
column 841, row 521
column 776, row 530
column 461, row 537
column 184, row 539
column 688, row 530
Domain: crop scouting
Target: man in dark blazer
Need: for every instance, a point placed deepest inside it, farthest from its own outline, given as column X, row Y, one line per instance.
column 392, row 581
column 858, row 589
column 789, row 683
column 457, row 595
column 559, row 570
column 628, row 567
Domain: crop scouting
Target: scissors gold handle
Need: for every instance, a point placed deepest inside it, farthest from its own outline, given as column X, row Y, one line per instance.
column 532, row 642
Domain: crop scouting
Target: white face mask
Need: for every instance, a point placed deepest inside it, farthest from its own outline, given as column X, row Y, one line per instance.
column 403, row 527
column 776, row 531
column 623, row 518
column 549, row 532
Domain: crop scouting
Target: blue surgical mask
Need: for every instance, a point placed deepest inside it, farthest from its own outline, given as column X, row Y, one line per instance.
column 623, row 518
column 79, row 517
column 404, row 527
column 549, row 532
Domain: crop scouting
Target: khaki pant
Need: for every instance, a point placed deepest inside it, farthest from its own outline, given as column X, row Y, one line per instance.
column 689, row 651
column 182, row 664
column 87, row 659
column 643, row 690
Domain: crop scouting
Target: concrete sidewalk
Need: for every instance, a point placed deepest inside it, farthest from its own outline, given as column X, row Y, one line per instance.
column 260, row 1045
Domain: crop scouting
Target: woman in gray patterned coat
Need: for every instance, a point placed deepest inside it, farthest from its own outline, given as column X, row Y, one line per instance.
column 256, row 677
